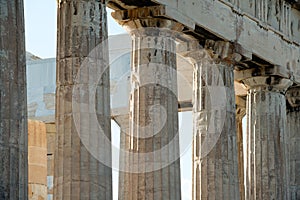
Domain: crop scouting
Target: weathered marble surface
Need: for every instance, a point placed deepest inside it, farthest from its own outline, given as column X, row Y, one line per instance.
column 293, row 142
column 240, row 114
column 124, row 159
column 13, row 105
column 153, row 172
column 266, row 172
column 273, row 25
column 215, row 157
column 82, row 26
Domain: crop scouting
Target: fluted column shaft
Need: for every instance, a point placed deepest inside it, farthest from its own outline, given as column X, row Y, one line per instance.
column 124, row 168
column 82, row 58
column 153, row 147
column 293, row 125
column 266, row 173
column 215, row 158
column 13, row 103
column 240, row 113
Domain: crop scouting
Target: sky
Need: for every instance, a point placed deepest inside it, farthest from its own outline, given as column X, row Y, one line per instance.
column 40, row 27
column 40, row 33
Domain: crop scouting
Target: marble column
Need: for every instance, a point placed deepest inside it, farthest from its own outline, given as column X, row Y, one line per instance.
column 124, row 187
column 266, row 173
column 293, row 125
column 13, row 103
column 37, row 160
column 215, row 157
column 240, row 113
column 153, row 147
column 82, row 56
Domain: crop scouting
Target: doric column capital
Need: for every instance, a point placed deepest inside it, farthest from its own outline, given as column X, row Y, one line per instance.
column 144, row 21
column 214, row 52
column 267, row 83
column 293, row 96
column 152, row 26
column 271, row 78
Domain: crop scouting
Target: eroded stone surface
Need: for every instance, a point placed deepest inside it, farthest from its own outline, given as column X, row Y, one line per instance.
column 240, row 113
column 82, row 26
column 124, row 159
column 13, row 105
column 153, row 172
column 266, row 172
column 293, row 126
column 215, row 158
column 273, row 25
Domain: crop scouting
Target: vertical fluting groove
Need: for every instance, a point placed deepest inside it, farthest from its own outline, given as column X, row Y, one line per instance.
column 153, row 118
column 124, row 187
column 240, row 113
column 81, row 41
column 215, row 171
column 292, row 143
column 13, row 102
column 266, row 131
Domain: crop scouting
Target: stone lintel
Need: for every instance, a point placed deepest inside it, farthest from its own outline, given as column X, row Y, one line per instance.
column 250, row 36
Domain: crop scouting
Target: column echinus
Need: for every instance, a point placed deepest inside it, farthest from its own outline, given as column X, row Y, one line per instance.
column 13, row 103
column 215, row 158
column 83, row 154
column 265, row 162
column 153, row 149
column 293, row 122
